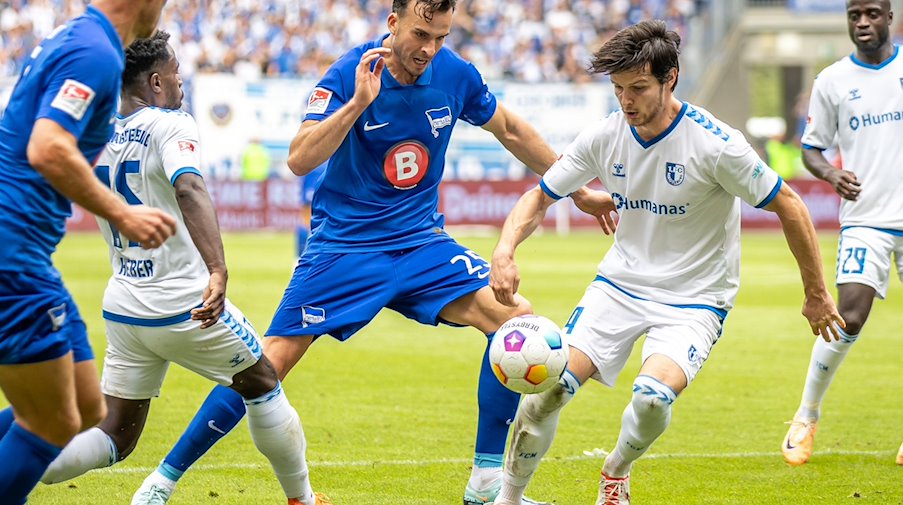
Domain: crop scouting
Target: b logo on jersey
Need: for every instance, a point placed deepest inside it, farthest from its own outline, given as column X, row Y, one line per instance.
column 406, row 164
column 439, row 118
column 674, row 173
column 73, row 98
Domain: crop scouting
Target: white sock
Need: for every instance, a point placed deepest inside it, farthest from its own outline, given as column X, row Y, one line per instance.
column 534, row 429
column 276, row 431
column 88, row 450
column 645, row 419
column 484, row 477
column 826, row 359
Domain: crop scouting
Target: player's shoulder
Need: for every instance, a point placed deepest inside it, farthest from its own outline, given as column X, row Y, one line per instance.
column 161, row 122
column 707, row 127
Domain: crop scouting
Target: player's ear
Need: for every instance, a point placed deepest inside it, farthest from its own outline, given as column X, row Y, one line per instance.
column 392, row 23
column 156, row 82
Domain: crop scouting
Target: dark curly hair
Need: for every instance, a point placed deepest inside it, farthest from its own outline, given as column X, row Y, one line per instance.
column 645, row 43
column 427, row 7
column 143, row 56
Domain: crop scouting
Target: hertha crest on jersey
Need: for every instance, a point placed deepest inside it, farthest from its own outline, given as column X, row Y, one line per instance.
column 439, row 118
column 674, row 173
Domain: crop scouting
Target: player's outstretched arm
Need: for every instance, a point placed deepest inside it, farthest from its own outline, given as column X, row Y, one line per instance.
column 526, row 215
column 200, row 220
column 54, row 153
column 316, row 141
column 521, row 139
column 845, row 182
column 819, row 307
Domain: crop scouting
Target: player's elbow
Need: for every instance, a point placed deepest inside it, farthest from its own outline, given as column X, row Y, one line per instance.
column 44, row 154
column 298, row 163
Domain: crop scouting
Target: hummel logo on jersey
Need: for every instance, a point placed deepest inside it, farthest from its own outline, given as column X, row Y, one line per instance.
column 854, row 94
column 370, row 127
column 617, row 170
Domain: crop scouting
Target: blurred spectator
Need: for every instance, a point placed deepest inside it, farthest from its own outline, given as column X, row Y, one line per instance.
column 256, row 162
column 526, row 40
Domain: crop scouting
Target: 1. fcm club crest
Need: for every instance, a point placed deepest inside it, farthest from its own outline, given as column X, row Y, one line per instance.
column 674, row 173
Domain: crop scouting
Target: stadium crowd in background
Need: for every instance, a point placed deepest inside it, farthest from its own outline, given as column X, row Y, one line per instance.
column 523, row 40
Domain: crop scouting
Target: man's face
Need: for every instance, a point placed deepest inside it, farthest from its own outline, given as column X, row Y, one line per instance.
column 416, row 40
column 170, row 82
column 641, row 96
column 868, row 22
column 148, row 16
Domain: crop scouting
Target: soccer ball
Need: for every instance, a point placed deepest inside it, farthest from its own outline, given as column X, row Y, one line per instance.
column 528, row 354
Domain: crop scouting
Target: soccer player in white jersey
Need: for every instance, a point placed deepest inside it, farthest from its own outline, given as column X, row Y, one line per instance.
column 859, row 101
column 169, row 304
column 677, row 176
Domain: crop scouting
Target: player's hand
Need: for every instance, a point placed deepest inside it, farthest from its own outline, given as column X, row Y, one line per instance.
column 821, row 311
column 598, row 204
column 367, row 82
column 148, row 226
column 214, row 301
column 845, row 183
column 504, row 279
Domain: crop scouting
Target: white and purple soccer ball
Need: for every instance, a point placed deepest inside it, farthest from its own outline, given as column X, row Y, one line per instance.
column 528, row 354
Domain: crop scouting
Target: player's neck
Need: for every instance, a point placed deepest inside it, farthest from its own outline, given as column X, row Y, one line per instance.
column 877, row 56
column 130, row 105
column 394, row 66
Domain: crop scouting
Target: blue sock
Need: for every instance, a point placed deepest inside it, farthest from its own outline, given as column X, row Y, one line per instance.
column 6, row 420
column 221, row 411
column 28, row 456
column 498, row 405
column 301, row 234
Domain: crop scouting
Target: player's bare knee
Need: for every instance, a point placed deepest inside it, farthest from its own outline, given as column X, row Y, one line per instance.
column 854, row 320
column 255, row 381
column 57, row 429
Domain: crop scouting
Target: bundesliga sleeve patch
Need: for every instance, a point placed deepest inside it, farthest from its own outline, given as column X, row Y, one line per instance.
column 319, row 101
column 73, row 98
column 185, row 145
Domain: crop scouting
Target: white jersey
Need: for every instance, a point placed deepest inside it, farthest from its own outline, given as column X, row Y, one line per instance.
column 862, row 105
column 149, row 150
column 678, row 238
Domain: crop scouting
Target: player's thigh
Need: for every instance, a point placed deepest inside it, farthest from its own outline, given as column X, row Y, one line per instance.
column 335, row 294
column 132, row 370
column 43, row 397
column 218, row 352
column 864, row 257
column 604, row 326
column 683, row 335
column 443, row 281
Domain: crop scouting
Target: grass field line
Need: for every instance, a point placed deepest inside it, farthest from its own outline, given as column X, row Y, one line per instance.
column 593, row 454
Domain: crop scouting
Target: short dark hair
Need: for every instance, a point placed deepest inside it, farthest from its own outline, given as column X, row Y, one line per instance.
column 428, row 7
column 143, row 55
column 645, row 43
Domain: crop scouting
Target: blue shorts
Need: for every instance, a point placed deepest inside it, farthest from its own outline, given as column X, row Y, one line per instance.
column 39, row 320
column 339, row 293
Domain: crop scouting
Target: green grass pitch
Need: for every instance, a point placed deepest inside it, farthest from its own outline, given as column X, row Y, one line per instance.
column 390, row 415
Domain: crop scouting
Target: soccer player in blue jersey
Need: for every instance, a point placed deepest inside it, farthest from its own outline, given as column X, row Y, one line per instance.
column 58, row 120
column 382, row 116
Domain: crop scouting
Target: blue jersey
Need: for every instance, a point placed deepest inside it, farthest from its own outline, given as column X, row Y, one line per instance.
column 381, row 191
column 72, row 78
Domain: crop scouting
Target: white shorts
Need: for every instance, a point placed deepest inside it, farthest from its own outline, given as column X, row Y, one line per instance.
column 607, row 323
column 138, row 356
column 863, row 257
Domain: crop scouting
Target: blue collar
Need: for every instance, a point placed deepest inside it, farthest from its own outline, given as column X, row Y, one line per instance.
column 112, row 34
column 879, row 66
column 669, row 129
